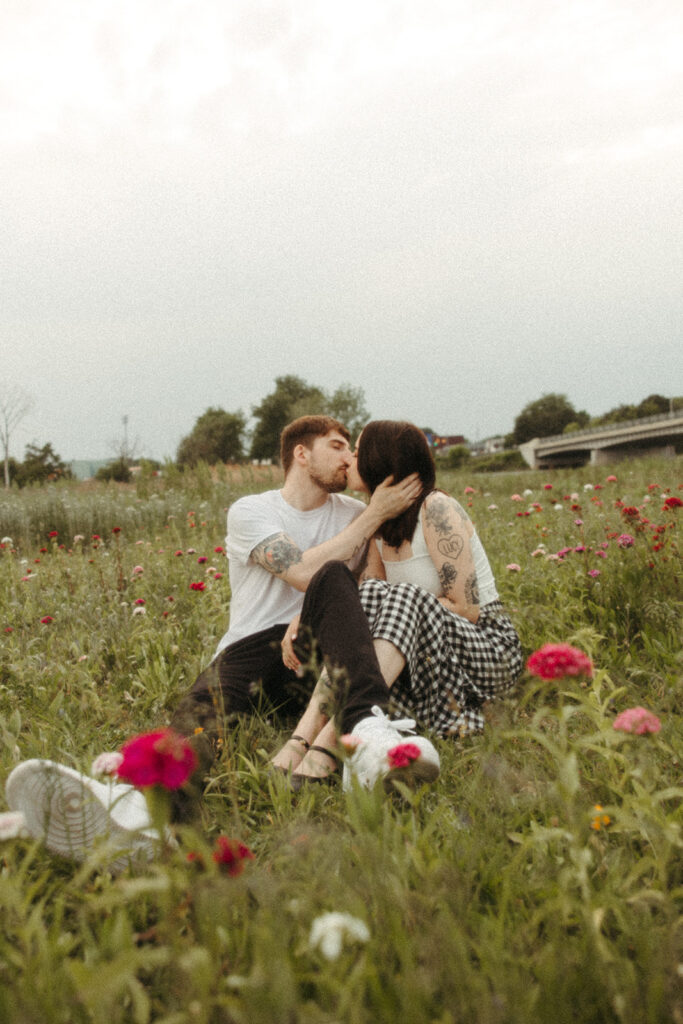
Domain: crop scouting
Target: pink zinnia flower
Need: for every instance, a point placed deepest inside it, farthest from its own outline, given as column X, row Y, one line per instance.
column 201, row 559
column 547, row 487
column 637, row 720
column 139, row 600
column 593, row 572
column 218, row 550
column 469, row 490
column 554, row 661
column 516, row 497
column 231, row 854
column 162, row 758
column 625, row 540
column 513, row 567
column 611, row 479
column 403, row 755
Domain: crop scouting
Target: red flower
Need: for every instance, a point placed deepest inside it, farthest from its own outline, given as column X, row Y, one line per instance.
column 218, row 550
column 554, row 661
column 637, row 720
column 403, row 755
column 547, row 487
column 673, row 502
column 630, row 512
column 198, row 586
column 201, row 559
column 116, row 529
column 139, row 600
column 46, row 620
column 162, row 758
column 53, row 533
column 231, row 854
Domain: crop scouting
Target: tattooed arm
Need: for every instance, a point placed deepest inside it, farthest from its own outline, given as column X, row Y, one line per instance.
column 374, row 566
column 447, row 530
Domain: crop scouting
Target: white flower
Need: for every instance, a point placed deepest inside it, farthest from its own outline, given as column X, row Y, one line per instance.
column 527, row 492
column 558, row 507
column 12, row 825
column 107, row 763
column 139, row 610
column 588, row 487
column 329, row 931
column 7, row 540
column 492, row 508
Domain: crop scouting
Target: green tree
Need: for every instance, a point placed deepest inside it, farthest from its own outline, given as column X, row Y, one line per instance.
column 456, row 457
column 217, row 436
column 293, row 397
column 41, row 465
column 117, row 470
column 548, row 415
column 653, row 405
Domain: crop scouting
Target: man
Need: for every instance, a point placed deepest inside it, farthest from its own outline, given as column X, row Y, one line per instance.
column 291, row 553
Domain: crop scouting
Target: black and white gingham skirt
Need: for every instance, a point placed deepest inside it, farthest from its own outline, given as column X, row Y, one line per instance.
column 452, row 665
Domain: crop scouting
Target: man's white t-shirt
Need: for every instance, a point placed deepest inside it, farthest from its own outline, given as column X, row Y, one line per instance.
column 259, row 599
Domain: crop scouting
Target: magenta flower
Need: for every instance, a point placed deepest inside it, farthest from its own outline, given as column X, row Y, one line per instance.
column 625, row 540
column 403, row 754
column 594, row 573
column 637, row 720
column 231, row 855
column 162, row 758
column 46, row 620
column 200, row 585
column 554, row 661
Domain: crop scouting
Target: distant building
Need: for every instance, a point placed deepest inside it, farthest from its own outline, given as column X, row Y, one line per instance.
column 440, row 443
column 85, row 469
column 488, row 446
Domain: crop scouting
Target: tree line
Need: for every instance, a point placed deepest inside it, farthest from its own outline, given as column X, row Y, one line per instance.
column 219, row 436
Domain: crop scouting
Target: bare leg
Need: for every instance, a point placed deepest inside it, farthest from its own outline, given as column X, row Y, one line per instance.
column 314, row 719
column 316, row 763
column 391, row 661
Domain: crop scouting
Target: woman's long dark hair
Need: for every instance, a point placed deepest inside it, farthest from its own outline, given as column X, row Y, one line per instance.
column 397, row 448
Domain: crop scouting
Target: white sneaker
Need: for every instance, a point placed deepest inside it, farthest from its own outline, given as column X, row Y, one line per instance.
column 69, row 811
column 382, row 752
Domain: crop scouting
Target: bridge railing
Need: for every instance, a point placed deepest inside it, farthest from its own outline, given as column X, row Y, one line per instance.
column 605, row 427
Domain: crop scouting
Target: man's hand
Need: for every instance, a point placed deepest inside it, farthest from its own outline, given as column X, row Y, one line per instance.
column 287, row 643
column 390, row 500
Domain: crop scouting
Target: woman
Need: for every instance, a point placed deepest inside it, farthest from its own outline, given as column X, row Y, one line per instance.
column 443, row 641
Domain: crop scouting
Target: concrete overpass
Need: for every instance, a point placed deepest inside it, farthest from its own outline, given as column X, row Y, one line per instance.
column 653, row 435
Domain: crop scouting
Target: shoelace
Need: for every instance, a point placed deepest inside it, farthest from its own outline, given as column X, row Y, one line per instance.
column 400, row 724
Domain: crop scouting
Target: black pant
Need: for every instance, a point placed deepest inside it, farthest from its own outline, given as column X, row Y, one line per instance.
column 333, row 628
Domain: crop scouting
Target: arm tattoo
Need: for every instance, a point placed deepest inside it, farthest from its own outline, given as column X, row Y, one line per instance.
column 436, row 514
column 451, row 547
column 448, row 574
column 277, row 554
column 472, row 589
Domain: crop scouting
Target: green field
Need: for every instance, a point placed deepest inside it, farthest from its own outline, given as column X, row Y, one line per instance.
column 539, row 880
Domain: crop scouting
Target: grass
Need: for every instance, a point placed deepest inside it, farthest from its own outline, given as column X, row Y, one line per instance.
column 499, row 894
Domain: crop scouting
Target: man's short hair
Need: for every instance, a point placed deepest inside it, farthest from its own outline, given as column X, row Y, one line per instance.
column 304, row 430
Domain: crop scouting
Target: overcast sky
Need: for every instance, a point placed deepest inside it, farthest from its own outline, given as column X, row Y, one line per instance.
column 457, row 205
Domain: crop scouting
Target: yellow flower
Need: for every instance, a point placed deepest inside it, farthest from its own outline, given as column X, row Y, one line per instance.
column 600, row 820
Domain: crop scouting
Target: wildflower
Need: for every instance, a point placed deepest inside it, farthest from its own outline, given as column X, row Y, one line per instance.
column 329, row 931
column 469, row 490
column 600, row 820
column 139, row 600
column 588, row 487
column 516, row 497
column 162, row 758
column 137, row 570
column 625, row 540
column 547, row 487
column 611, row 479
column 78, row 537
column 218, row 550
column 116, row 529
column 630, row 512
column 201, row 585
column 7, row 540
column 637, row 720
column 554, row 661
column 231, row 854
column 492, row 508
column 540, row 550
column 580, row 548
column 53, row 533
column 578, row 522
column 527, row 492
column 178, row 554
column 403, row 754
column 557, row 507
column 191, row 551
column 107, row 763
column 9, row 629
column 671, row 503
column 218, row 576
column 513, row 567
column 46, row 620
column 349, row 743
column 139, row 611
column 201, row 559
column 12, row 825
column 594, row 572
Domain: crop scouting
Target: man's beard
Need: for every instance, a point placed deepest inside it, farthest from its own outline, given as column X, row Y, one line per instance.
column 332, row 485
